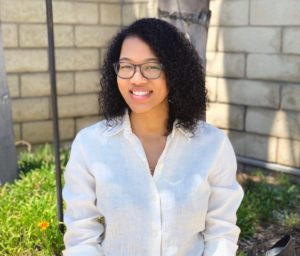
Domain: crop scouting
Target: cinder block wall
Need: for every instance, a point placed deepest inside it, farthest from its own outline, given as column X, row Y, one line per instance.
column 253, row 68
column 82, row 30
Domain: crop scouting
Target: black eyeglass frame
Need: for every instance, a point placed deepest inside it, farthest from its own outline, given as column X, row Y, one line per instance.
column 115, row 65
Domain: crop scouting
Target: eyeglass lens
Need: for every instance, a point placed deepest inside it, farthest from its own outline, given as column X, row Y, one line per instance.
column 149, row 70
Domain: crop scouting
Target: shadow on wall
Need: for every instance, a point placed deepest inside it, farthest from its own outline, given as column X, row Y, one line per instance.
column 251, row 80
column 133, row 11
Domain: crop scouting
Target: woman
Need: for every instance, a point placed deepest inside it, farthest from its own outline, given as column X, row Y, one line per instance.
column 152, row 178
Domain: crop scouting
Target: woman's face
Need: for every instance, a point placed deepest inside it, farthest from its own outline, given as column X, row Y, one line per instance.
column 142, row 94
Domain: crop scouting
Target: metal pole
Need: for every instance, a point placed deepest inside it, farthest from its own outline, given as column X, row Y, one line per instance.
column 51, row 59
column 267, row 165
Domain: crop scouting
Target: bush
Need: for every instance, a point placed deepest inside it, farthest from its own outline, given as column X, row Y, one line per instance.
column 42, row 158
column 28, row 220
column 263, row 203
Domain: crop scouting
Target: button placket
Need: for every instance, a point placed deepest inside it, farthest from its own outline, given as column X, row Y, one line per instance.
column 157, row 225
column 160, row 163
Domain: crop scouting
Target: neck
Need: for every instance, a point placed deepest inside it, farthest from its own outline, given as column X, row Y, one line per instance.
column 149, row 124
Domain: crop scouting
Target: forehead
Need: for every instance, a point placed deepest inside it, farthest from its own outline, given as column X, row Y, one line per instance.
column 136, row 50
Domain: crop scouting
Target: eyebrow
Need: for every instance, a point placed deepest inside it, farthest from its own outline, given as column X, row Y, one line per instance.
column 149, row 59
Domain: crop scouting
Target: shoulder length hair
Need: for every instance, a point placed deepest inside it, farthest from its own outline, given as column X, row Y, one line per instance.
column 182, row 66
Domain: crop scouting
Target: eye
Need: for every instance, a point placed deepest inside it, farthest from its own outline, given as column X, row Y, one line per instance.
column 125, row 66
column 151, row 66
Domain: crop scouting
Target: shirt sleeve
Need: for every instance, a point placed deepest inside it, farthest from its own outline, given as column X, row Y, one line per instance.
column 221, row 233
column 83, row 234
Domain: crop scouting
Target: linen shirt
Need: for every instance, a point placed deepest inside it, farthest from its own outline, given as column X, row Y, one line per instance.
column 187, row 208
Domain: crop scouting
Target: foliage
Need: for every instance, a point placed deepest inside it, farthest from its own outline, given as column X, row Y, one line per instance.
column 241, row 253
column 42, row 158
column 28, row 221
column 266, row 203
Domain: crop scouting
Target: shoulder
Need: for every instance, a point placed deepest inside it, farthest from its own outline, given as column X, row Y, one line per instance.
column 205, row 133
column 216, row 138
column 205, row 129
column 212, row 137
column 93, row 130
column 97, row 132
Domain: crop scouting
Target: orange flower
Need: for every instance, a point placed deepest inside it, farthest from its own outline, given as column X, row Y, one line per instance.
column 43, row 225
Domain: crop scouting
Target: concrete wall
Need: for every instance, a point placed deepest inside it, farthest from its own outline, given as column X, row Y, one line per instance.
column 253, row 68
column 82, row 30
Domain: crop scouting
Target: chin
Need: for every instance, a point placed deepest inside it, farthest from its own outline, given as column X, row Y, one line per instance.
column 139, row 110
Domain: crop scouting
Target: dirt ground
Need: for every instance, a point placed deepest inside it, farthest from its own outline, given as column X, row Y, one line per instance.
column 268, row 236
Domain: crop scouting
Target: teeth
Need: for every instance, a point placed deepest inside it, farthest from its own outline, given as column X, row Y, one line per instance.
column 137, row 93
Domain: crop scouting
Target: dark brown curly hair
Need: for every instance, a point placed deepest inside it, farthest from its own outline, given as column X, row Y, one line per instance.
column 182, row 66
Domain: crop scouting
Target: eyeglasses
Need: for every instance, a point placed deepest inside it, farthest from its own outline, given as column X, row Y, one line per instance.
column 149, row 70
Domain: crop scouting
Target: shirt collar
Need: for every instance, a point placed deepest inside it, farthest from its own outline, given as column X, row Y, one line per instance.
column 187, row 134
column 124, row 125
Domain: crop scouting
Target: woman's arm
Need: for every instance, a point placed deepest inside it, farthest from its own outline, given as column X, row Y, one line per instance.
column 221, row 233
column 81, row 217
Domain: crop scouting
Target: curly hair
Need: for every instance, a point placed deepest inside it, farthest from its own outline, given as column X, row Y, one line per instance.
column 182, row 66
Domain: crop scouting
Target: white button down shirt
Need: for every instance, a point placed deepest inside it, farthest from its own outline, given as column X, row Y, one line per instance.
column 187, row 208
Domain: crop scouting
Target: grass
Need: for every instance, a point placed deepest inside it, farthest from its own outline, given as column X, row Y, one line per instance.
column 28, row 222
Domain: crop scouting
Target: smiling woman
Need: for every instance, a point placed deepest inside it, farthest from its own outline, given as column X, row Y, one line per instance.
column 160, row 179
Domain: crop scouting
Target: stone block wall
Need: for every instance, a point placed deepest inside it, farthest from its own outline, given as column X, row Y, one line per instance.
column 253, row 68
column 82, row 29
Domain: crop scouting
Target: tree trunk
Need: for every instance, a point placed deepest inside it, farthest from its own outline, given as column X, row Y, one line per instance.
column 189, row 16
column 8, row 156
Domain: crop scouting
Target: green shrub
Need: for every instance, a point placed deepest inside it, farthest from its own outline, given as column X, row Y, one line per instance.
column 263, row 203
column 241, row 253
column 28, row 221
column 42, row 158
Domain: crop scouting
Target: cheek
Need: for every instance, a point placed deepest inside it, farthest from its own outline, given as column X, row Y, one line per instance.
column 165, row 91
column 122, row 86
column 164, row 87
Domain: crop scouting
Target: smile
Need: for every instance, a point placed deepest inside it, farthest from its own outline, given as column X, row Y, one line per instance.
column 140, row 93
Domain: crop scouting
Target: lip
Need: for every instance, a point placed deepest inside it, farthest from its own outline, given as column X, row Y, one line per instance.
column 140, row 94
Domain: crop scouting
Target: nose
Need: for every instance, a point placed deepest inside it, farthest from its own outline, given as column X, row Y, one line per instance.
column 138, row 77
